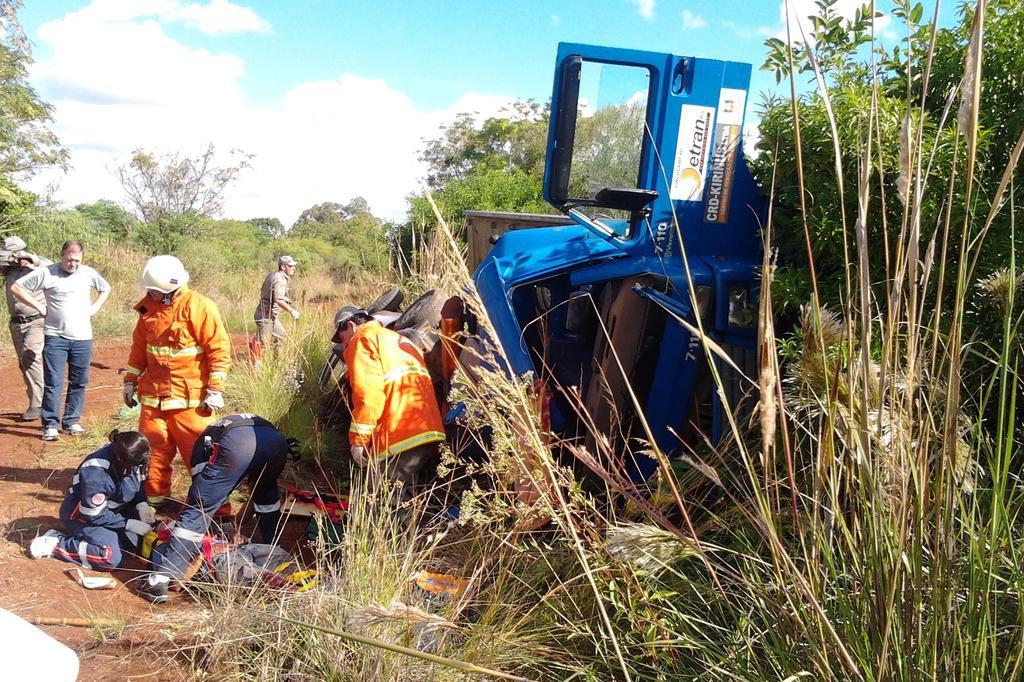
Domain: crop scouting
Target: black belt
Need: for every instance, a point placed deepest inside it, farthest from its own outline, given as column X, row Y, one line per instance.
column 22, row 319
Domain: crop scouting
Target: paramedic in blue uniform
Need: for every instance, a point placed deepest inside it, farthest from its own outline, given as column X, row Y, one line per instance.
column 105, row 511
column 236, row 447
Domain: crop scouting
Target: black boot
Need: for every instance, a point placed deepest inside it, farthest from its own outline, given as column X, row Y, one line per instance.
column 154, row 588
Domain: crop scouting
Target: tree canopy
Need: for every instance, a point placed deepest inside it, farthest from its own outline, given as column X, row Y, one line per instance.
column 351, row 227
column 26, row 142
column 174, row 185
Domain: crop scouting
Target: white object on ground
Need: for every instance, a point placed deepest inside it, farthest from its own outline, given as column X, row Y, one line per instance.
column 28, row 653
column 91, row 582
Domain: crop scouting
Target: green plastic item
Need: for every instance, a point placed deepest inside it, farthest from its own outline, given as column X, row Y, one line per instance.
column 332, row 531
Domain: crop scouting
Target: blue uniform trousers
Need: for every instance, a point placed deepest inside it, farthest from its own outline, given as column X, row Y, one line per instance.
column 254, row 453
column 92, row 546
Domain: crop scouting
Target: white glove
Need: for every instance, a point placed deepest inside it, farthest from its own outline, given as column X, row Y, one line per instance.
column 214, row 399
column 295, row 313
column 358, row 453
column 138, row 527
column 146, row 513
column 129, row 394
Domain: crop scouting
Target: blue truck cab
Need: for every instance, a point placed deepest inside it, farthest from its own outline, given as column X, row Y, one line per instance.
column 645, row 156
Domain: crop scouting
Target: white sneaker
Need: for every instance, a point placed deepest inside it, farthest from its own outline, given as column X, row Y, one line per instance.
column 44, row 545
column 75, row 430
column 50, row 433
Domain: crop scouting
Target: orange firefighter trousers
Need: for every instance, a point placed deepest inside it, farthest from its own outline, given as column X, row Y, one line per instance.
column 169, row 431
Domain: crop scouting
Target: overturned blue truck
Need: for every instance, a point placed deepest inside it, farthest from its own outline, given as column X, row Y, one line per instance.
column 645, row 157
column 660, row 226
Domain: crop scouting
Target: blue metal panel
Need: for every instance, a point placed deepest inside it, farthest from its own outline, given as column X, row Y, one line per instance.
column 718, row 223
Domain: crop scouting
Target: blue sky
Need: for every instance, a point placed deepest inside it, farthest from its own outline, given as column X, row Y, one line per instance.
column 334, row 97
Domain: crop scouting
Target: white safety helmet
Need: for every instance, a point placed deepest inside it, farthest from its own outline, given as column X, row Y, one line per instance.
column 164, row 274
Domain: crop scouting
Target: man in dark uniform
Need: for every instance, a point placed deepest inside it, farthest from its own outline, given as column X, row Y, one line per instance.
column 237, row 447
column 105, row 512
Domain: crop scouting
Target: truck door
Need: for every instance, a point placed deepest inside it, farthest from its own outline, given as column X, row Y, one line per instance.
column 640, row 139
column 645, row 150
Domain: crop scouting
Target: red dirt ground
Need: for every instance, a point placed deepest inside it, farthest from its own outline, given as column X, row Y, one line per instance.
column 34, row 477
column 33, row 480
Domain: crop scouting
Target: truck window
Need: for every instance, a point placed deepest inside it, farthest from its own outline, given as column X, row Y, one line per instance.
column 610, row 129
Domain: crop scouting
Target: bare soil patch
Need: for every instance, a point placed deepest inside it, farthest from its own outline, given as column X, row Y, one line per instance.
column 34, row 477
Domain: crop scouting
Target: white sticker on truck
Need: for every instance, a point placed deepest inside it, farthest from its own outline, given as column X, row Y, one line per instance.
column 728, row 130
column 692, row 153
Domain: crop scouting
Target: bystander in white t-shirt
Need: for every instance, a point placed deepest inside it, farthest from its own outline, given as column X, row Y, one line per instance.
column 68, row 298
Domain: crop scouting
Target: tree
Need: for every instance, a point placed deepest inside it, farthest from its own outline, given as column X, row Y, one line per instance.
column 26, row 143
column 331, row 212
column 272, row 226
column 1001, row 118
column 175, row 186
column 351, row 227
column 515, row 141
column 495, row 165
column 109, row 215
column 837, row 49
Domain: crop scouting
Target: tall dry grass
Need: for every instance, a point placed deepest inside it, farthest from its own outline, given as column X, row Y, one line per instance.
column 863, row 526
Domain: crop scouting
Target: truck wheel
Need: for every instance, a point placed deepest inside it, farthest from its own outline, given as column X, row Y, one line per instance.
column 389, row 300
column 424, row 310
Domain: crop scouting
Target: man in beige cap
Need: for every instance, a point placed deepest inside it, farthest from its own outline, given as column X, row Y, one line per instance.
column 26, row 322
column 273, row 299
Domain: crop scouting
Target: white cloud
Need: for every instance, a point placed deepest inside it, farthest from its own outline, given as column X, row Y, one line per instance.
column 217, row 17
column 645, row 7
column 693, row 21
column 747, row 32
column 222, row 16
column 119, row 82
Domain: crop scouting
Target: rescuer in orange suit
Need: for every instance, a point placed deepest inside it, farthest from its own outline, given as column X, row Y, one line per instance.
column 179, row 360
column 395, row 417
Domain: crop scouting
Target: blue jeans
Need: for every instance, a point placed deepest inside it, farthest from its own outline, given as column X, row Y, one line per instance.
column 58, row 352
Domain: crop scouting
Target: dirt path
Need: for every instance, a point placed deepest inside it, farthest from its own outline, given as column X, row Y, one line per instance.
column 34, row 477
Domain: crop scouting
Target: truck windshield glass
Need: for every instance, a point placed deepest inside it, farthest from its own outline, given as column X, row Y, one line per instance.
column 610, row 118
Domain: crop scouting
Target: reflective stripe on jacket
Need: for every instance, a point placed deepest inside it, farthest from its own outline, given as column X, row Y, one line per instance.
column 99, row 495
column 178, row 350
column 393, row 403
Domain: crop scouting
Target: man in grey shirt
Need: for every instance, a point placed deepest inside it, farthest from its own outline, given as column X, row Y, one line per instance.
column 26, row 321
column 67, row 287
column 274, row 298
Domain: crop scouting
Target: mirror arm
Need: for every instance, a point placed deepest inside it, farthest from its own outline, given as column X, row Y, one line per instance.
column 584, row 220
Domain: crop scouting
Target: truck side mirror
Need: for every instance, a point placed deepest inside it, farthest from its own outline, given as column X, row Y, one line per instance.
column 565, row 133
column 625, row 198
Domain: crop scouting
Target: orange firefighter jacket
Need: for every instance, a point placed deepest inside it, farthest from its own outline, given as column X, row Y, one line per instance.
column 178, row 350
column 393, row 403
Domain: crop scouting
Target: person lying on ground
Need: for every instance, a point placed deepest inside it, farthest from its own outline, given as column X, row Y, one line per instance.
column 105, row 511
column 236, row 447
